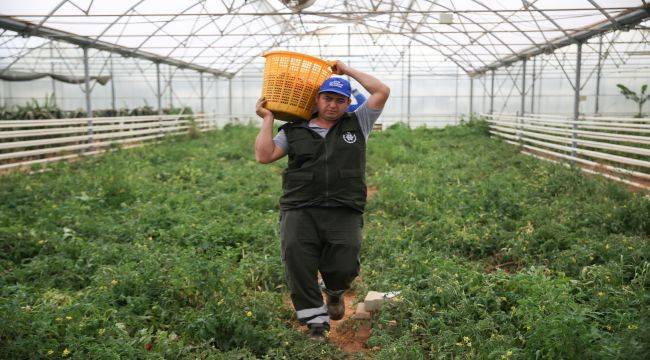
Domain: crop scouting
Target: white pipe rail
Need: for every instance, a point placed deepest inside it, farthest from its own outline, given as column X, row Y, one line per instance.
column 616, row 178
column 28, row 142
column 584, row 133
column 101, row 120
column 640, row 125
column 596, row 154
column 583, row 117
column 84, row 129
column 554, row 136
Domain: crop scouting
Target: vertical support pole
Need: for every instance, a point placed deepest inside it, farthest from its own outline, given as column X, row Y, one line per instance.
column 403, row 92
column 492, row 94
column 522, row 110
column 216, row 101
column 408, row 92
column 483, row 93
column 598, row 73
column 539, row 84
column 159, row 97
column 158, row 89
column 532, row 89
column 230, row 99
column 523, row 88
column 52, row 72
column 576, row 99
column 201, row 85
column 112, row 82
column 89, row 108
column 456, row 98
column 471, row 97
column 171, row 91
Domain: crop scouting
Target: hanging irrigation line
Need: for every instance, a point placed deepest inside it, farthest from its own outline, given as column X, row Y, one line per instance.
column 300, row 46
column 383, row 32
column 85, row 22
column 319, row 13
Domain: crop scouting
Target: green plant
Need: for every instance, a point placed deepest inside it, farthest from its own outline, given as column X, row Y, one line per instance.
column 32, row 109
column 639, row 98
column 478, row 123
column 171, row 251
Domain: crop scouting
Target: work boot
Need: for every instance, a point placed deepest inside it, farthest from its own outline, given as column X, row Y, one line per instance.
column 335, row 304
column 317, row 332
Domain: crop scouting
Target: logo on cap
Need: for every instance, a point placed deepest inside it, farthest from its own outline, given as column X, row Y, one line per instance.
column 336, row 83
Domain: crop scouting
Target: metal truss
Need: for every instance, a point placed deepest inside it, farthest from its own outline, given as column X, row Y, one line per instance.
column 225, row 36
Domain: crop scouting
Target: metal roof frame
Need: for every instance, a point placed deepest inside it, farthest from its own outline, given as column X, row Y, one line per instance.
column 469, row 43
column 624, row 20
column 29, row 29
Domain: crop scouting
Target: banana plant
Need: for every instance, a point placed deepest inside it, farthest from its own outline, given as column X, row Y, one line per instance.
column 640, row 98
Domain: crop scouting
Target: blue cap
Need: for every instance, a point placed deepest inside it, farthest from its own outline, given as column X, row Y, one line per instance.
column 336, row 85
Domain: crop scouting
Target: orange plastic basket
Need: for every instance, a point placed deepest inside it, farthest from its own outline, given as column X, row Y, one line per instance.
column 291, row 82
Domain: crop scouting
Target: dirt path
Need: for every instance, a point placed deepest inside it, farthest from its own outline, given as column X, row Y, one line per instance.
column 350, row 335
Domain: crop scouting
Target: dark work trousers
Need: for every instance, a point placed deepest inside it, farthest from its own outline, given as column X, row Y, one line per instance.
column 313, row 239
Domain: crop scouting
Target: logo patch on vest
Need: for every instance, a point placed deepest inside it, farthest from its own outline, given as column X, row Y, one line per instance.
column 349, row 137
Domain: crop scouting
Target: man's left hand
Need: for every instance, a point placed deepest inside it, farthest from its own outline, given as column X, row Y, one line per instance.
column 339, row 68
column 261, row 110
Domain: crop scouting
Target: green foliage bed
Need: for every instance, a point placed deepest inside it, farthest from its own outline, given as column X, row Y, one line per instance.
column 172, row 251
column 48, row 109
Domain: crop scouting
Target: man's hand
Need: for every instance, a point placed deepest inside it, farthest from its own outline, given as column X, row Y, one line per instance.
column 260, row 109
column 339, row 68
column 379, row 92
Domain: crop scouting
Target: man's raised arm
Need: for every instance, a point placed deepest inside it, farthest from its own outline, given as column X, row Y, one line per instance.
column 379, row 91
column 265, row 149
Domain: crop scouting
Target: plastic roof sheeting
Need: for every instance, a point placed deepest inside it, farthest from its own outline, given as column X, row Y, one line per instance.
column 228, row 36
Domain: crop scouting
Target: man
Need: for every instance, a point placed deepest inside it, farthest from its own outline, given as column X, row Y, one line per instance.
column 324, row 193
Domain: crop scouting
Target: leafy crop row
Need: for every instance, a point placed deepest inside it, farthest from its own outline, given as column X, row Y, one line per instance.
column 172, row 250
column 48, row 109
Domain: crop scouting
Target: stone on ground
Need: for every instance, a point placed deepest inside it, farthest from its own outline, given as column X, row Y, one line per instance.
column 361, row 313
column 373, row 300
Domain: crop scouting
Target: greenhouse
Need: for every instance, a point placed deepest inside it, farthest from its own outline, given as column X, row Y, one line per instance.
column 498, row 163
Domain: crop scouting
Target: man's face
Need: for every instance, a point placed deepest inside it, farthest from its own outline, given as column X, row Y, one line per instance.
column 331, row 106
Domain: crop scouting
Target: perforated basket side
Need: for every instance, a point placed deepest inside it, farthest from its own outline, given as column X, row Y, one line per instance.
column 291, row 81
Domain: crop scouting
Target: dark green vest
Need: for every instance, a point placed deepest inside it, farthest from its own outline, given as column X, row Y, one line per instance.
column 326, row 171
